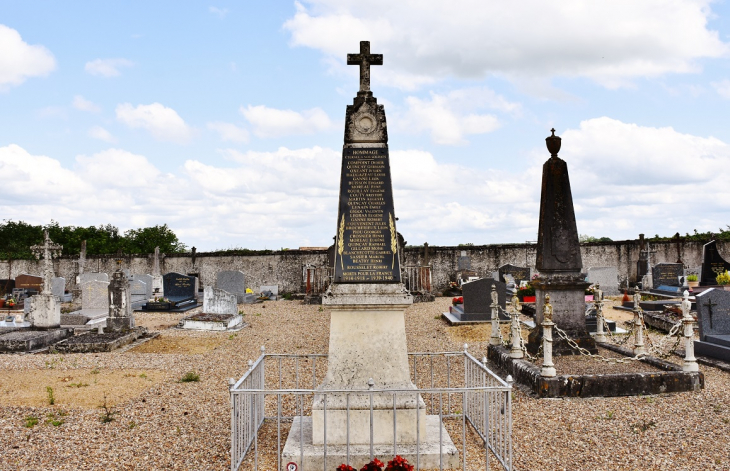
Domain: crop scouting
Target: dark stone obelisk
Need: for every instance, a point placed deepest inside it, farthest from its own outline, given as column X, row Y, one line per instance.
column 558, row 259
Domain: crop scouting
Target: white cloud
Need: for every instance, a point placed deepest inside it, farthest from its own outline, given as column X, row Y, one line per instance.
column 449, row 118
column 20, row 61
column 229, row 131
column 221, row 12
column 608, row 41
column 626, row 179
column 162, row 122
column 107, row 67
column 97, row 132
column 272, row 122
column 81, row 103
column 722, row 88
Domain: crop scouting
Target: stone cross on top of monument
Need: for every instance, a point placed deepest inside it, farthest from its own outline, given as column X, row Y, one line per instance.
column 364, row 59
column 48, row 250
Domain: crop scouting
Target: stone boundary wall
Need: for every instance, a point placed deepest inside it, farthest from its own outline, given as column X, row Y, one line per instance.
column 285, row 268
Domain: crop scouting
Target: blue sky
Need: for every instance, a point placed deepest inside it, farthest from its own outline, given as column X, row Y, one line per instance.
column 225, row 119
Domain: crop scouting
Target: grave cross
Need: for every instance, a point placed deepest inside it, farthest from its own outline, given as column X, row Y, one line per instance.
column 48, row 250
column 364, row 60
column 710, row 305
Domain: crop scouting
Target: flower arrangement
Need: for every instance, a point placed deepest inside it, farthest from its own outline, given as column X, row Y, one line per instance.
column 723, row 278
column 457, row 300
column 396, row 464
column 11, row 302
column 692, row 277
column 523, row 291
column 535, row 276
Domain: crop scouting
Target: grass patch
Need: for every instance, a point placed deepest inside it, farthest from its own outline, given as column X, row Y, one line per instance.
column 49, row 393
column 190, row 377
column 31, row 421
column 109, row 412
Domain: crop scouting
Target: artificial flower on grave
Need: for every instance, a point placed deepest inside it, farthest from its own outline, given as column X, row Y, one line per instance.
column 344, row 467
column 523, row 291
column 399, row 464
column 11, row 302
column 249, row 291
column 457, row 300
column 374, row 465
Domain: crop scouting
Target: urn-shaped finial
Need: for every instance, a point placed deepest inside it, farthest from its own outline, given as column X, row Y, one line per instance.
column 553, row 143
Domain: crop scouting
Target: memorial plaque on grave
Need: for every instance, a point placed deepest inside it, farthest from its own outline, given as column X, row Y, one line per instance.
column 667, row 274
column 178, row 287
column 29, row 282
column 712, row 264
column 95, row 295
column 367, row 242
column 713, row 315
column 518, row 273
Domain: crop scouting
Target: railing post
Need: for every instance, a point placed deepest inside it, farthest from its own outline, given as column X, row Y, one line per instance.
column 496, row 337
column 548, row 368
column 690, row 362
column 516, row 349
column 639, row 348
column 598, row 302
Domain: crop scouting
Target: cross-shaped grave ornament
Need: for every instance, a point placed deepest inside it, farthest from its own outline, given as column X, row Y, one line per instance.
column 48, row 251
column 364, row 59
column 710, row 305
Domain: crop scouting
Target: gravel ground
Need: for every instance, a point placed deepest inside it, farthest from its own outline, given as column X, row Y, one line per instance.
column 161, row 423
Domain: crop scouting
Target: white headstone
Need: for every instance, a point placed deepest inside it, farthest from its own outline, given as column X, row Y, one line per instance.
column 58, row 287
column 218, row 301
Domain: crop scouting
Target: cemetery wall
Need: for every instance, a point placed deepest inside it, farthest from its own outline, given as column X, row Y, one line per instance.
column 284, row 268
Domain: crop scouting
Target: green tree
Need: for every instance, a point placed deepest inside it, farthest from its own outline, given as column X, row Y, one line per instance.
column 145, row 240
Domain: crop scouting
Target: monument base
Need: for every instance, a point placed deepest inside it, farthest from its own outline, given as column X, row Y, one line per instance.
column 120, row 324
column 430, row 450
column 567, row 297
column 44, row 311
column 408, row 427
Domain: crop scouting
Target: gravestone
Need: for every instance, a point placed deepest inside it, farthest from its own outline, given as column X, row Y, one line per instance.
column 44, row 310
column 606, row 277
column 147, row 280
column 712, row 264
column 179, row 289
column 158, row 285
column 94, row 304
column 478, row 301
column 58, row 287
column 32, row 283
column 366, row 296
column 121, row 316
column 138, row 293
column 464, row 262
column 518, row 273
column 559, row 260
column 86, row 277
column 233, row 282
column 713, row 316
column 667, row 274
column 218, row 301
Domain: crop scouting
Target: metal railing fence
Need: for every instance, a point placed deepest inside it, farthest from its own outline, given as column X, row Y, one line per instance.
column 417, row 278
column 276, row 395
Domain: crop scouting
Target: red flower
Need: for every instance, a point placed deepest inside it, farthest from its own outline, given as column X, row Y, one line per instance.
column 399, row 464
column 374, row 465
column 344, row 467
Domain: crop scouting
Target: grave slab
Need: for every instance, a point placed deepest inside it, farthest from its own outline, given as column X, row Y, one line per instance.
column 30, row 340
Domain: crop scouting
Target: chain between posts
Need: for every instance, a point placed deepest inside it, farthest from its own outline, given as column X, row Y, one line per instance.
column 508, row 342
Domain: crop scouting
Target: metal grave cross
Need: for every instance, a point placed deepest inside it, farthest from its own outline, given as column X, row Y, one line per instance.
column 364, row 60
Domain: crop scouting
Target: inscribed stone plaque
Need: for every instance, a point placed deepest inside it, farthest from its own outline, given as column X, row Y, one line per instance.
column 58, row 286
column 518, row 273
column 464, row 262
column 367, row 242
column 95, row 295
column 606, row 277
column 233, row 282
column 30, row 282
column 178, row 287
column 713, row 312
column 146, row 279
column 667, row 274
column 712, row 264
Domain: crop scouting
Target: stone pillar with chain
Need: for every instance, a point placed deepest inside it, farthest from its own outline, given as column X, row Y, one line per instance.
column 639, row 347
column 548, row 368
column 496, row 337
column 516, row 347
column 598, row 302
column 690, row 362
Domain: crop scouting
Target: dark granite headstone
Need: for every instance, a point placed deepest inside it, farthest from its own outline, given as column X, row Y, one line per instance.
column 667, row 274
column 178, row 288
column 712, row 264
column 29, row 282
column 518, row 273
column 713, row 315
column 478, row 300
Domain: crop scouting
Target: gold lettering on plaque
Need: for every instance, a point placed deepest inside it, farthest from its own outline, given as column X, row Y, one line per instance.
column 341, row 240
